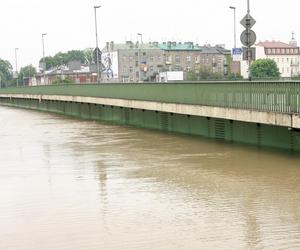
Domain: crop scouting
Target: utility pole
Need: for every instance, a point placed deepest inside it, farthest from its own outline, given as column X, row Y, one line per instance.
column 249, row 46
column 234, row 25
column 248, row 38
column 44, row 62
column 97, row 47
column 140, row 44
column 17, row 76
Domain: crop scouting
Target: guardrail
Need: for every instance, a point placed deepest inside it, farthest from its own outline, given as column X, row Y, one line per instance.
column 263, row 96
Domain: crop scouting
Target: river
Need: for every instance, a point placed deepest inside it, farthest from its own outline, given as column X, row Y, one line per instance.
column 81, row 185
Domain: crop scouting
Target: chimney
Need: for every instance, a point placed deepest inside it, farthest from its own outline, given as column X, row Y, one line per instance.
column 112, row 45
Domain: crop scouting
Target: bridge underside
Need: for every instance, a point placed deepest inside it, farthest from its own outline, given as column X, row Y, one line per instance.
column 234, row 130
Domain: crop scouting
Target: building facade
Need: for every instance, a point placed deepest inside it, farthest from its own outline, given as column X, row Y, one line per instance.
column 136, row 62
column 286, row 56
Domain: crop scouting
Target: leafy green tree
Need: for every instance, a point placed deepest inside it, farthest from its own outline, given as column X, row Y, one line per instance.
column 264, row 68
column 5, row 72
column 67, row 80
column 64, row 58
column 204, row 73
column 27, row 71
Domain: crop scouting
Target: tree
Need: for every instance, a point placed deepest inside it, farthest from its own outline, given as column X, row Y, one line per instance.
column 264, row 68
column 64, row 58
column 204, row 73
column 27, row 71
column 5, row 72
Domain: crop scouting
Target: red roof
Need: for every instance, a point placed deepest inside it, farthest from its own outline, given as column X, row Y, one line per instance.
column 268, row 44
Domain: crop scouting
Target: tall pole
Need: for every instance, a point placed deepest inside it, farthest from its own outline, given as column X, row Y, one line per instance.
column 248, row 6
column 249, row 47
column 44, row 62
column 140, row 44
column 234, row 24
column 17, row 66
column 97, row 47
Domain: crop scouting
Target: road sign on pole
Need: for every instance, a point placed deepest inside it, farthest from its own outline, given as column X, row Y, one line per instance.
column 248, row 21
column 249, row 53
column 248, row 38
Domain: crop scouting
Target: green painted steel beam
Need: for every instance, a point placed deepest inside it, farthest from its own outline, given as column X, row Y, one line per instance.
column 261, row 96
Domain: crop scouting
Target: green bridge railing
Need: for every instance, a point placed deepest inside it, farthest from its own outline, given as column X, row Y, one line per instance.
column 263, row 96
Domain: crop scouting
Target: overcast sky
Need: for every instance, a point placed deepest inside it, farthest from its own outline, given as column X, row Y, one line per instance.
column 70, row 24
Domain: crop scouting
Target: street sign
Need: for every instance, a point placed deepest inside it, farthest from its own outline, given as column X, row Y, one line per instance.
column 95, row 56
column 248, row 38
column 248, row 21
column 249, row 54
column 237, row 51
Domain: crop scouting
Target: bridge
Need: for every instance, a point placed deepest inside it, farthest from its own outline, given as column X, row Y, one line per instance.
column 257, row 113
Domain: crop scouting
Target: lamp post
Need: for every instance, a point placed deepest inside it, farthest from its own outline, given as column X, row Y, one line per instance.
column 97, row 47
column 16, row 49
column 44, row 63
column 140, row 71
column 234, row 24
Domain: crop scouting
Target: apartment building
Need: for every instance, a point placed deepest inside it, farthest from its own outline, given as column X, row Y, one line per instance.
column 136, row 62
column 286, row 56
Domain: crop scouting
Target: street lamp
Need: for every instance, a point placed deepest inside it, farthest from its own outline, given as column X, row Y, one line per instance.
column 97, row 47
column 17, row 66
column 234, row 24
column 44, row 63
column 140, row 71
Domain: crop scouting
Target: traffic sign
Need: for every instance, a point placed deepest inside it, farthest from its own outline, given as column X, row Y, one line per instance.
column 248, row 38
column 248, row 21
column 237, row 51
column 97, row 55
column 249, row 54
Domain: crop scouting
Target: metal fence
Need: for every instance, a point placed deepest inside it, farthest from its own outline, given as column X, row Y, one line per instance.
column 271, row 96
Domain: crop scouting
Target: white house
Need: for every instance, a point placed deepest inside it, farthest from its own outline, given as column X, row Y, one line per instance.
column 286, row 56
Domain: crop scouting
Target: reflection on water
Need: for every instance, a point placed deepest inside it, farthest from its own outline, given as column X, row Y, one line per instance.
column 71, row 184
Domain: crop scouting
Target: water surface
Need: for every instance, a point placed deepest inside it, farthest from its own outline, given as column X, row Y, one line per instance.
column 80, row 185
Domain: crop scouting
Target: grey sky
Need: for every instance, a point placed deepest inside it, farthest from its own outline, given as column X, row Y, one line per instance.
column 70, row 24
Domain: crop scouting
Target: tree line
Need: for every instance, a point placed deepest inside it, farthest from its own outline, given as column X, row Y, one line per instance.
column 6, row 69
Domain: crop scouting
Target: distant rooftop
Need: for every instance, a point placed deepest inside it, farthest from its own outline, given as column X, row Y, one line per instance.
column 167, row 46
column 178, row 46
column 274, row 44
column 128, row 46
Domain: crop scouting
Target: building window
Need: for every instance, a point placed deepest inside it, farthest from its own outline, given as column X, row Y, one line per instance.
column 282, row 51
column 130, row 59
column 144, row 53
column 151, row 68
column 151, row 58
column 197, row 59
column 177, row 58
column 287, row 60
column 136, row 53
column 159, row 58
column 188, row 58
column 130, row 69
column 137, row 74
